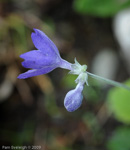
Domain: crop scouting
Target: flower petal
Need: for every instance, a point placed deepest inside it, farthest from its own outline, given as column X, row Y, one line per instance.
column 36, row 59
column 36, row 72
column 43, row 43
column 73, row 99
column 43, row 60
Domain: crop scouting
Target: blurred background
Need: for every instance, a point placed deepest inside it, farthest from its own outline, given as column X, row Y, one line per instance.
column 32, row 112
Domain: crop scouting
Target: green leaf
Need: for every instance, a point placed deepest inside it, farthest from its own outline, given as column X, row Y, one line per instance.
column 120, row 139
column 119, row 103
column 101, row 8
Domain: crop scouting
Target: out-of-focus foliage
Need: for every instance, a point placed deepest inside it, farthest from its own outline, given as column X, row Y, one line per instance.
column 91, row 121
column 120, row 139
column 32, row 111
column 92, row 93
column 101, row 8
column 119, row 103
column 17, row 25
column 69, row 81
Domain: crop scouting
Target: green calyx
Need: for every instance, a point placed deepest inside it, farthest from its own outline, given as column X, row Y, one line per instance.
column 79, row 70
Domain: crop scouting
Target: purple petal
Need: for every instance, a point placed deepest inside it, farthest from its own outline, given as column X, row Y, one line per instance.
column 73, row 99
column 36, row 72
column 36, row 59
column 43, row 43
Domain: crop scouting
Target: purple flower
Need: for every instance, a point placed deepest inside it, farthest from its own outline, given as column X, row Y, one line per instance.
column 43, row 60
column 47, row 58
column 73, row 99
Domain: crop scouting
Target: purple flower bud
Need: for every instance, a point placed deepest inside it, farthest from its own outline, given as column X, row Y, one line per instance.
column 43, row 60
column 73, row 99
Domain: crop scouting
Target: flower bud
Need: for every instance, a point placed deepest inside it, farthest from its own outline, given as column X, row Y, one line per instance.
column 73, row 99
